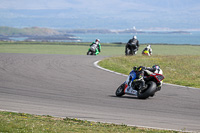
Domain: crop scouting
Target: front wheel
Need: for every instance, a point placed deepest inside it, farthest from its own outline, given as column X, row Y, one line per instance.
column 120, row 90
column 128, row 51
column 89, row 52
column 150, row 91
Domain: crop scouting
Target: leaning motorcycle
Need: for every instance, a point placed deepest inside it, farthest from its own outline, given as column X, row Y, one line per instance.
column 92, row 49
column 131, row 49
column 133, row 86
column 146, row 52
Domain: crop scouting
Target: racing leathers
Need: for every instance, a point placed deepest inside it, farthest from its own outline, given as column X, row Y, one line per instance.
column 132, row 44
column 141, row 72
column 98, row 49
column 147, row 50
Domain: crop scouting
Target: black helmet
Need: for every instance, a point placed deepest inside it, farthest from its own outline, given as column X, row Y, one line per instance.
column 135, row 68
column 140, row 68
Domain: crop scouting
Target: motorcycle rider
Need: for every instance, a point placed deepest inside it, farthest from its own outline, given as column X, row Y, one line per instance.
column 132, row 44
column 98, row 49
column 142, row 71
column 147, row 50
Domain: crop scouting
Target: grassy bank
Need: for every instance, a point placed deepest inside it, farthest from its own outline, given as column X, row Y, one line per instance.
column 26, row 123
column 56, row 48
column 179, row 69
column 71, row 48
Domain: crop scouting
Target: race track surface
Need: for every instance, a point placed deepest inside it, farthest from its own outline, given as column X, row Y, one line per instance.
column 71, row 86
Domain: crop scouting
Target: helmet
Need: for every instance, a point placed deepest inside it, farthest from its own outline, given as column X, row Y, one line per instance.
column 97, row 40
column 134, row 37
column 157, row 67
column 135, row 68
column 140, row 68
column 148, row 46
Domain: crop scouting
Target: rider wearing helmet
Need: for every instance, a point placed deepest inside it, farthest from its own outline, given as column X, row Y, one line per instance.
column 132, row 44
column 98, row 49
column 147, row 50
column 142, row 71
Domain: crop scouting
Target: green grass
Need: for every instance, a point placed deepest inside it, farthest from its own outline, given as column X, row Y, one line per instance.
column 179, row 69
column 26, row 123
column 44, row 49
column 71, row 48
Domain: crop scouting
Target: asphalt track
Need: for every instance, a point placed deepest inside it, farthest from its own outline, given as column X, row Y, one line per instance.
column 71, row 86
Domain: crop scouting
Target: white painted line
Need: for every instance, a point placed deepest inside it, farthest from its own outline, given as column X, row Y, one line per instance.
column 96, row 65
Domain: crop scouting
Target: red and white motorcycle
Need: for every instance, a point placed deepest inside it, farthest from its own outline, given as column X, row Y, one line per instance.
column 132, row 86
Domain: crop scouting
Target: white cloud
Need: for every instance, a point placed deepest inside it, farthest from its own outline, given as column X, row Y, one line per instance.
column 75, row 4
column 35, row 4
column 140, row 11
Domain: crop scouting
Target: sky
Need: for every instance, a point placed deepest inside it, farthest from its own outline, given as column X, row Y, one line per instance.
column 101, row 14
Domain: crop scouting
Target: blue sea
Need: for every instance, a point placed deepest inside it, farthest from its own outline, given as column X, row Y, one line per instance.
column 193, row 38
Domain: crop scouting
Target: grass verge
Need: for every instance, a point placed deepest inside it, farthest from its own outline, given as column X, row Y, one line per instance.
column 179, row 69
column 25, row 123
column 82, row 48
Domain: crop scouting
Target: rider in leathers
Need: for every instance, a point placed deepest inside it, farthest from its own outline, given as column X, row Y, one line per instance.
column 98, row 49
column 142, row 71
column 132, row 44
column 147, row 50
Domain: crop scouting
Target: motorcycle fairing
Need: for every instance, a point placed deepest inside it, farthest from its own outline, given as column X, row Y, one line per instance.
column 131, row 76
column 93, row 47
column 129, row 90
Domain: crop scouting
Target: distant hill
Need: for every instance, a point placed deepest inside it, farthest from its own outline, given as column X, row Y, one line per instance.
column 47, row 34
column 32, row 31
column 84, row 31
column 34, row 34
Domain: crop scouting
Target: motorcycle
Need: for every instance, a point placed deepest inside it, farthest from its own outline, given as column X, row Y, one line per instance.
column 133, row 86
column 131, row 49
column 92, row 49
column 146, row 52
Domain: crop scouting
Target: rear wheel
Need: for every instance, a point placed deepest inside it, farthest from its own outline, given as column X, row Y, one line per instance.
column 120, row 90
column 150, row 91
column 134, row 52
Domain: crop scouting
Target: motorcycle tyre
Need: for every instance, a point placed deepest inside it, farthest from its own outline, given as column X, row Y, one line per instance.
column 150, row 91
column 90, row 53
column 120, row 90
column 129, row 52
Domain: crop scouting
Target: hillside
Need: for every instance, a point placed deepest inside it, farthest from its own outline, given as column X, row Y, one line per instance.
column 34, row 34
column 48, row 34
column 32, row 31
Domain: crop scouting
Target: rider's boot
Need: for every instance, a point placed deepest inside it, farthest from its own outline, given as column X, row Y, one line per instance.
column 143, row 85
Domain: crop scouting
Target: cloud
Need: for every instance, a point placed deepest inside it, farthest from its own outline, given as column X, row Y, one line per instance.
column 114, row 12
column 36, row 4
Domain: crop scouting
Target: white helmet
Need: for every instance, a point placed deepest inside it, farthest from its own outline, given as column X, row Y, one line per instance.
column 97, row 40
column 135, row 37
column 148, row 46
